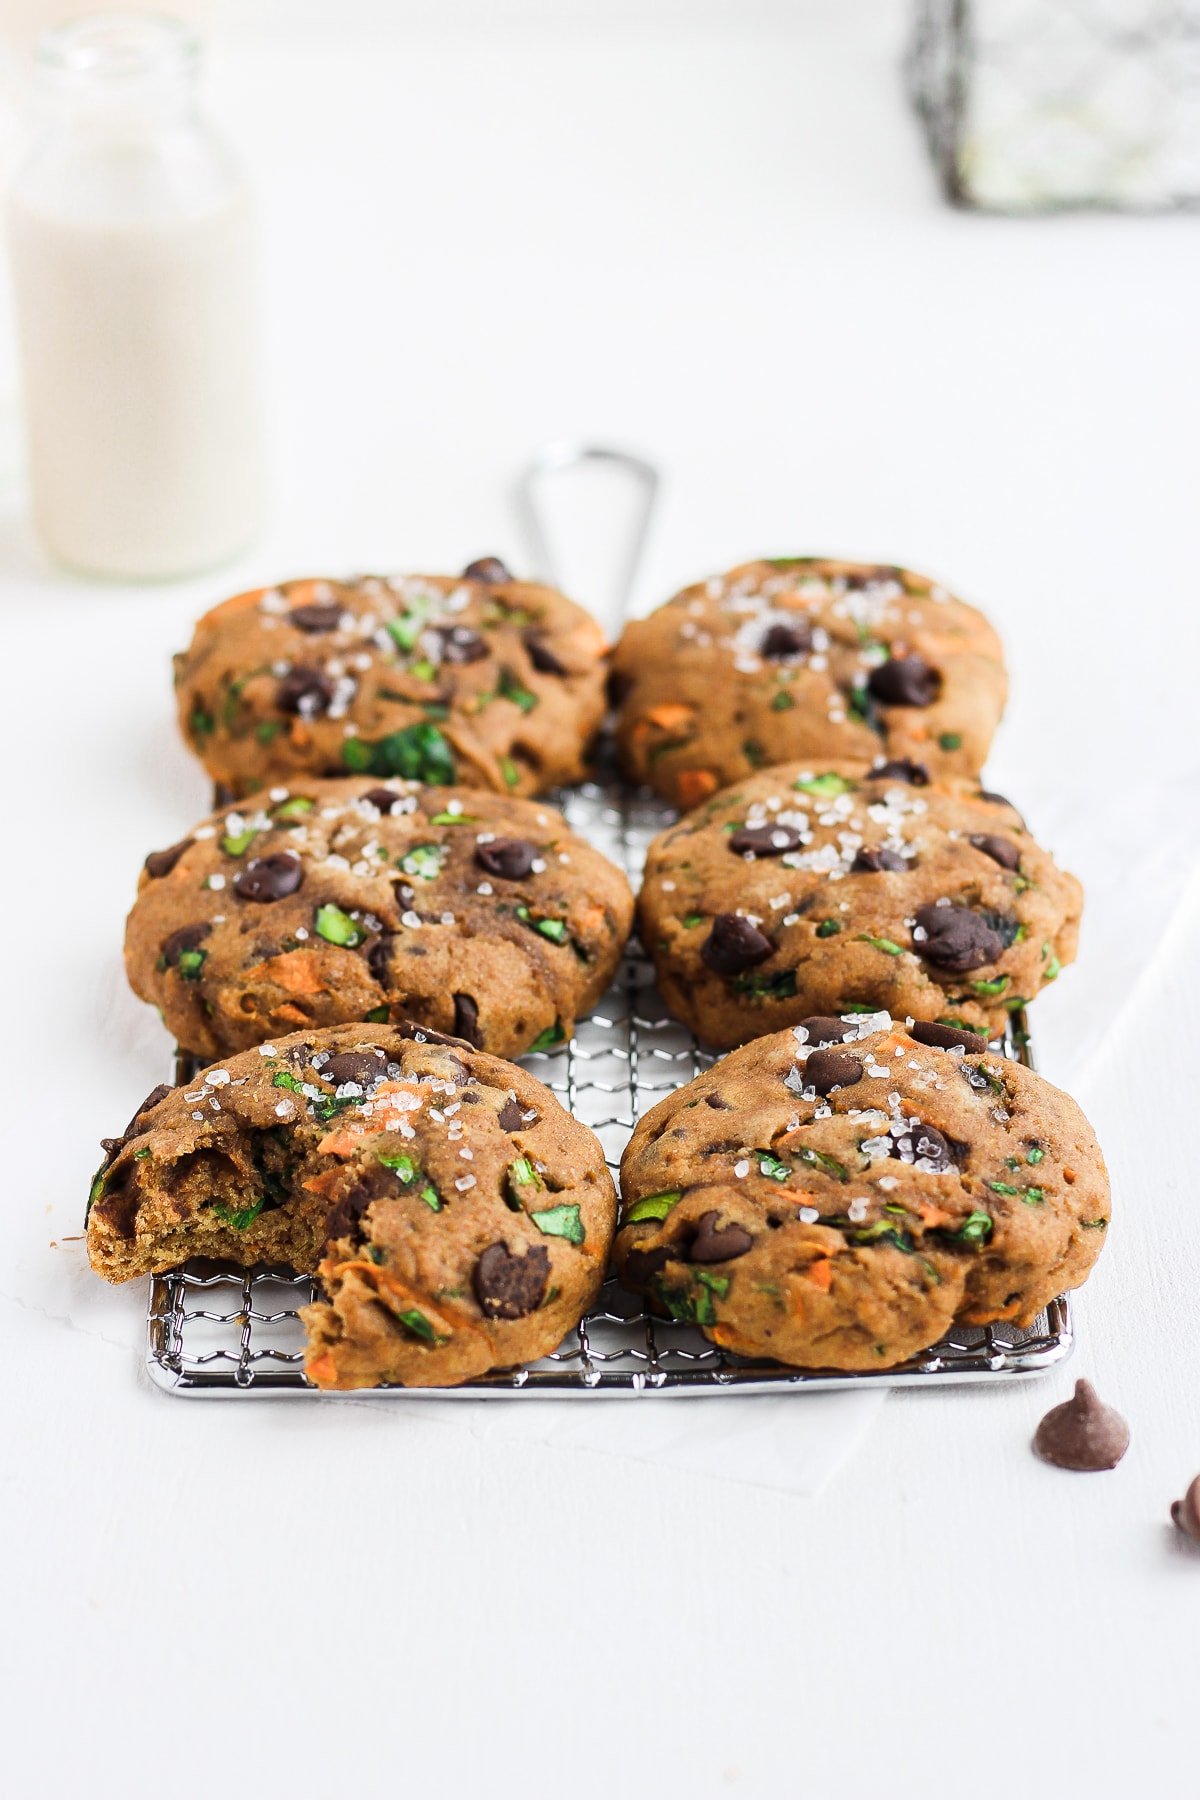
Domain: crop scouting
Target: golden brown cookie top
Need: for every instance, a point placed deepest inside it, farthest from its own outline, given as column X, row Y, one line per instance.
column 837, row 1193
column 805, row 656
column 838, row 887
column 318, row 902
column 479, row 679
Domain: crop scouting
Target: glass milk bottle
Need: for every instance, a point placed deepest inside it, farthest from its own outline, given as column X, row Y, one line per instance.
column 133, row 253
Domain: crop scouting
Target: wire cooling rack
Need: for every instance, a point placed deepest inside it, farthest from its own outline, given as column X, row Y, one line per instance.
column 221, row 1331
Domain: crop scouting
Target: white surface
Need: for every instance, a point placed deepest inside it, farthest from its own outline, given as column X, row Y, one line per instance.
column 709, row 233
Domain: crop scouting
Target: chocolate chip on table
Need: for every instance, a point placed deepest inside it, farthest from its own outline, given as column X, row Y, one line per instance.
column 161, row 862
column 508, row 859
column 459, row 644
column 765, row 840
column 305, row 692
column 1186, row 1512
column 487, row 568
column 713, row 1243
column 956, row 938
column 323, row 617
column 363, row 1067
column 945, row 1037
column 875, row 861
column 1082, row 1433
column 381, row 798
column 787, row 639
column 267, row 878
column 1001, row 850
column 734, row 944
column 905, row 681
column 901, row 768
column 827, row 1069
column 188, row 937
column 466, row 1020
column 823, row 1029
column 508, row 1285
column 924, row 1144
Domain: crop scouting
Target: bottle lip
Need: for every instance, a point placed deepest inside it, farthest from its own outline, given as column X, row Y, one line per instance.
column 112, row 52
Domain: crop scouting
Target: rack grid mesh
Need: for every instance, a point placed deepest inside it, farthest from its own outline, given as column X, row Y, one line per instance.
column 221, row 1332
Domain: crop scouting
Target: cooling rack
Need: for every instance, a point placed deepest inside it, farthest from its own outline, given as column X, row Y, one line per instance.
column 217, row 1331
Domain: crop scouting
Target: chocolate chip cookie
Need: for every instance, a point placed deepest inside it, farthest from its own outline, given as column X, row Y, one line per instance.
column 842, row 888
column 458, row 1218
column 321, row 902
column 838, row 1195
column 478, row 679
column 804, row 657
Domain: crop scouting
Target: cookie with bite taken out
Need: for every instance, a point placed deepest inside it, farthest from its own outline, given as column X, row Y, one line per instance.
column 458, row 1218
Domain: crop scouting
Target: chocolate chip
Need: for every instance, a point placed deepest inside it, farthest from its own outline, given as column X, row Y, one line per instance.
column 957, row 938
column 487, row 568
column 905, row 681
column 267, row 878
column 540, row 654
column 1186, row 1512
column 459, row 644
column 1082, row 1433
column 379, row 958
column 1001, row 850
column 822, row 1029
column 509, row 859
column 381, row 798
column 324, row 617
column 509, row 1285
column 999, row 800
column 152, row 1099
column 945, row 1037
column 112, row 1146
column 619, row 687
column 713, row 1244
column 363, row 1067
column 346, row 1218
column 901, row 768
column 871, row 573
column 161, row 862
column 827, row 1069
column 188, row 937
column 765, row 840
column 717, row 1102
column 641, row 1266
column 304, row 691
column 784, row 640
column 512, row 1116
column 925, row 1144
column 120, row 1206
column 874, row 862
column 466, row 1020
column 424, row 1034
column 734, row 944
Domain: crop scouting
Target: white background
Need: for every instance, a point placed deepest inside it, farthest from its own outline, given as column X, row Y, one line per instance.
column 707, row 231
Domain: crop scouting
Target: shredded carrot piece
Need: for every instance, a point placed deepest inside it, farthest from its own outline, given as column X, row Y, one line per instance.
column 695, row 785
column 322, row 1370
column 820, row 1273
column 983, row 1317
column 670, row 715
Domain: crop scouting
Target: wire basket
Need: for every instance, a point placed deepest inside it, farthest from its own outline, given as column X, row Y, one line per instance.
column 220, row 1331
column 1042, row 105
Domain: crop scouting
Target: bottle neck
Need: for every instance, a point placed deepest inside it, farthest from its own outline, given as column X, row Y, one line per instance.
column 119, row 74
